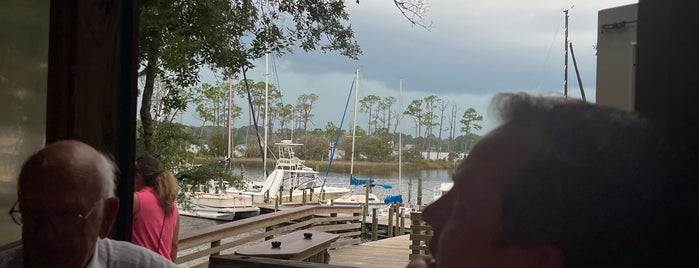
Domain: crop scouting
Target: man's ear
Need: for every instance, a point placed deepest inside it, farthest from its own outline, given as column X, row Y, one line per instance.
column 111, row 209
column 549, row 256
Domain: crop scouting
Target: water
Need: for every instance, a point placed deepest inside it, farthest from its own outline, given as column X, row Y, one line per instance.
column 431, row 180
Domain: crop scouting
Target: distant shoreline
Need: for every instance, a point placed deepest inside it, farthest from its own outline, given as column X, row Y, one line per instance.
column 339, row 166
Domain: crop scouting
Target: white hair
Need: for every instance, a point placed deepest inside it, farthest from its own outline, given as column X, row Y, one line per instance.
column 107, row 173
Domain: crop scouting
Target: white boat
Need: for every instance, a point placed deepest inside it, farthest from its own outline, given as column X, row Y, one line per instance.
column 222, row 214
column 444, row 187
column 292, row 178
column 218, row 206
column 359, row 198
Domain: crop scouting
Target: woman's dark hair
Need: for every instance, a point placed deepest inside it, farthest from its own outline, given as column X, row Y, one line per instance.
column 594, row 188
column 164, row 184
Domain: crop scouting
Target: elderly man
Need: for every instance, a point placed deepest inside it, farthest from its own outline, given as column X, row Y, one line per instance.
column 67, row 207
column 558, row 184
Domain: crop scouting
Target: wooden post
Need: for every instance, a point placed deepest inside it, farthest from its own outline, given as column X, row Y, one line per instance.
column 419, row 191
column 310, row 196
column 389, row 228
column 291, row 195
column 303, row 197
column 214, row 244
column 402, row 225
column 374, row 225
column 416, row 231
column 398, row 217
column 365, row 209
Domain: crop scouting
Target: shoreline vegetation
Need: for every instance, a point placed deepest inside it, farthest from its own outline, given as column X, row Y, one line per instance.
column 338, row 166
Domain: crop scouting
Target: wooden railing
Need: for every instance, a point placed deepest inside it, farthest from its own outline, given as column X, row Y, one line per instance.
column 420, row 235
column 344, row 221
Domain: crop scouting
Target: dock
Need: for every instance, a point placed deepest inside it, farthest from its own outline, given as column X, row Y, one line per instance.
column 385, row 253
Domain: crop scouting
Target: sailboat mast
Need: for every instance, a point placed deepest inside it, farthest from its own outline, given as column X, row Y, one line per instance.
column 565, row 66
column 354, row 121
column 228, row 122
column 266, row 123
column 400, row 138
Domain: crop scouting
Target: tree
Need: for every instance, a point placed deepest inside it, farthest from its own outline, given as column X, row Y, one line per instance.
column 414, row 110
column 170, row 145
column 468, row 124
column 315, row 147
column 211, row 104
column 442, row 106
column 414, row 11
column 286, row 115
column 385, row 106
column 304, row 106
column 177, row 38
column 452, row 126
column 428, row 121
column 367, row 105
column 258, row 90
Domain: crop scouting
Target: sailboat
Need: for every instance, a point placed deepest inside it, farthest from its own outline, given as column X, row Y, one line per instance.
column 368, row 198
column 212, row 201
column 291, row 179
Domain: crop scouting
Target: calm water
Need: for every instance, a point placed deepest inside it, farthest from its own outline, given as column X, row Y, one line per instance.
column 430, row 182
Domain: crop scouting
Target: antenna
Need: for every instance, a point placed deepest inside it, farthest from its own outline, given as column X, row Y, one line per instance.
column 565, row 64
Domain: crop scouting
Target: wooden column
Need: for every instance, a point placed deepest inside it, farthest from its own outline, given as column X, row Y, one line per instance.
column 91, row 88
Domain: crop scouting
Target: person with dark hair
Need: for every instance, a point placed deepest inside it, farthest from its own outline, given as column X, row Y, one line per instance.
column 156, row 220
column 557, row 184
column 66, row 206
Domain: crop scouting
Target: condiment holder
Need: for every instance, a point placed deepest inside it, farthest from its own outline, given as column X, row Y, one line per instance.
column 276, row 244
column 307, row 235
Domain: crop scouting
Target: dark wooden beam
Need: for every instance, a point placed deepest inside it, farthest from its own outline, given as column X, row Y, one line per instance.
column 92, row 85
column 667, row 92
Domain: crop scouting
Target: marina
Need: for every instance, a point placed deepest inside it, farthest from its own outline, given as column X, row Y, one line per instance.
column 227, row 238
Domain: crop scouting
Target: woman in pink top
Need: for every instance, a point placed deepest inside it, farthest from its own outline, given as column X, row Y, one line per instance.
column 156, row 221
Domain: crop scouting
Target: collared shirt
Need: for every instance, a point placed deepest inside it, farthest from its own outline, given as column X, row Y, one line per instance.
column 113, row 253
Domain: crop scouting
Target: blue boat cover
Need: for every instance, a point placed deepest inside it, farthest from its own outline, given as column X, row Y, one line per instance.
column 393, row 199
column 355, row 181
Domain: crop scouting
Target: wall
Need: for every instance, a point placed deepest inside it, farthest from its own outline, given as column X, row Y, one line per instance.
column 616, row 56
column 23, row 70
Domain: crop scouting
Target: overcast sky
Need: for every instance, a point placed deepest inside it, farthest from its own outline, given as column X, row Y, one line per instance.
column 474, row 50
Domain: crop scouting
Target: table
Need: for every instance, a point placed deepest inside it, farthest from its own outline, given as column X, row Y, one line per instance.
column 294, row 247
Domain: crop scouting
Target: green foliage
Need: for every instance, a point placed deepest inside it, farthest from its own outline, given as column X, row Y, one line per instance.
column 315, row 147
column 191, row 179
column 414, row 110
column 178, row 38
column 412, row 155
column 304, row 106
column 374, row 148
column 171, row 144
column 453, row 156
column 258, row 90
column 367, row 105
column 218, row 145
column 469, row 123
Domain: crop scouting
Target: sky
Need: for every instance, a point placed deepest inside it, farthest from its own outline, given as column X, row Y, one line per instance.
column 474, row 50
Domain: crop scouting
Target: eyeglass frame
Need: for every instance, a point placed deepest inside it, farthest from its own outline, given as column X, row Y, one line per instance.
column 16, row 213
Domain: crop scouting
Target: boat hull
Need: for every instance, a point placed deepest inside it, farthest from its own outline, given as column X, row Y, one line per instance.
column 221, row 214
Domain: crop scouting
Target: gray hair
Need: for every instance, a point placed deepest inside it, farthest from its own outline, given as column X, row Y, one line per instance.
column 107, row 170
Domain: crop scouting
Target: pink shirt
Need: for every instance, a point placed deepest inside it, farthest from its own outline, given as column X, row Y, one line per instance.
column 149, row 221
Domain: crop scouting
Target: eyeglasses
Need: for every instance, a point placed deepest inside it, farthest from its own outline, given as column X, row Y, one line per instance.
column 16, row 215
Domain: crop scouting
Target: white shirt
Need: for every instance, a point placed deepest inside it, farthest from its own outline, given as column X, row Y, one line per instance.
column 113, row 253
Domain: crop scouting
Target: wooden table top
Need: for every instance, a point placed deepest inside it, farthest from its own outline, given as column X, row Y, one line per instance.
column 293, row 245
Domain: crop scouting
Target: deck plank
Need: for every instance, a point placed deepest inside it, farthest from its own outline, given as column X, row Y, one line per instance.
column 386, row 253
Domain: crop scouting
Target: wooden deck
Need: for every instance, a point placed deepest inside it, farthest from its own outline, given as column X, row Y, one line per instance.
column 386, row 253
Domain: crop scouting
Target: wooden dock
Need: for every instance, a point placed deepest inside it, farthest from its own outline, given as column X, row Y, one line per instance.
column 386, row 253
